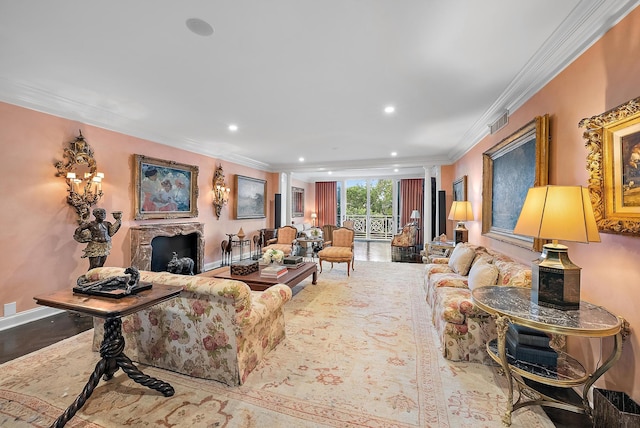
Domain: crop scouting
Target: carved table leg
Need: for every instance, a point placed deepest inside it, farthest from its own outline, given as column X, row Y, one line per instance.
column 113, row 358
column 502, row 325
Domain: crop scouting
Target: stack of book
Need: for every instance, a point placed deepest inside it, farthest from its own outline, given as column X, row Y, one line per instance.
column 293, row 262
column 273, row 271
column 530, row 345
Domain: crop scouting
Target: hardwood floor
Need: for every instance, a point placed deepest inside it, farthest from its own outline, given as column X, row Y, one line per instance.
column 30, row 337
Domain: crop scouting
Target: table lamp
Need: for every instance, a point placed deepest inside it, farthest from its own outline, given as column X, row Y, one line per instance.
column 314, row 216
column 557, row 213
column 461, row 212
column 415, row 216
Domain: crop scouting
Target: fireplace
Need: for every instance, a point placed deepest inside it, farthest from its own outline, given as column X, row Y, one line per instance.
column 152, row 245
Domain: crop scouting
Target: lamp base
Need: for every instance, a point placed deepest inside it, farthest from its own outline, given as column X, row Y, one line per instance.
column 555, row 281
column 460, row 233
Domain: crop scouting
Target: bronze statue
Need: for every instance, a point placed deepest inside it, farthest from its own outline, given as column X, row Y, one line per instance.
column 97, row 234
column 181, row 266
column 129, row 283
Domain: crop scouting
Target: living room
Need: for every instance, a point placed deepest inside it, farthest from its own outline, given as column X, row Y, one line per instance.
column 41, row 256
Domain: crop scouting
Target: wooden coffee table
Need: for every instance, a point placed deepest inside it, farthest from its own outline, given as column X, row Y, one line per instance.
column 292, row 278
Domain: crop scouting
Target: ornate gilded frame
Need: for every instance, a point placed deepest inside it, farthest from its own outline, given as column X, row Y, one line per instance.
column 154, row 201
column 509, row 169
column 613, row 162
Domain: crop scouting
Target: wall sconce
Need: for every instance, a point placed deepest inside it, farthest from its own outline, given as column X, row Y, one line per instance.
column 220, row 191
column 83, row 178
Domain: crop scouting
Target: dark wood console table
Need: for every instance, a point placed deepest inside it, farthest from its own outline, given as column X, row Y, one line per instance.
column 112, row 347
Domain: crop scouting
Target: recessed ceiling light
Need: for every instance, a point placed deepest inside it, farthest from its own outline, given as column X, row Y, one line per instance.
column 394, row 154
column 395, row 170
column 233, row 127
column 199, row 27
column 330, row 172
column 389, row 109
column 301, row 159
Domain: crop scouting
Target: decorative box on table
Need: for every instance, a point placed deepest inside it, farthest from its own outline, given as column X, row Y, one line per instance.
column 292, row 260
column 244, row 267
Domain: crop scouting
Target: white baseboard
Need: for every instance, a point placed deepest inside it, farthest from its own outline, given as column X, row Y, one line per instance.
column 25, row 317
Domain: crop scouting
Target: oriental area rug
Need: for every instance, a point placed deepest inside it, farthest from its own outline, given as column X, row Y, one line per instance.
column 360, row 351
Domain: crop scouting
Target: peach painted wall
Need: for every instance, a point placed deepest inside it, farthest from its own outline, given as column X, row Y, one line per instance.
column 605, row 76
column 39, row 254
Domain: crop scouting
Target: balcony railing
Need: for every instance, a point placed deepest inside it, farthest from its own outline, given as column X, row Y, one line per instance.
column 380, row 227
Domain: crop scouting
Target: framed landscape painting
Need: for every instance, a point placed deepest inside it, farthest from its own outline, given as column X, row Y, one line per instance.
column 509, row 169
column 164, row 189
column 613, row 162
column 250, row 197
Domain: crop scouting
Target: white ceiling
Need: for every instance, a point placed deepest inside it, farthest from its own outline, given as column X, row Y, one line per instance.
column 300, row 78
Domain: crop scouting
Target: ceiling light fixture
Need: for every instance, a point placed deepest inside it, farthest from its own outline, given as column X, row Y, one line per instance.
column 389, row 109
column 394, row 154
column 395, row 170
column 233, row 127
column 199, row 27
column 301, row 159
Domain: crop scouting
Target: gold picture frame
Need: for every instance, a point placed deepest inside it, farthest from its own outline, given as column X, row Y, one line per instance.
column 460, row 189
column 250, row 200
column 613, row 162
column 164, row 189
column 509, row 169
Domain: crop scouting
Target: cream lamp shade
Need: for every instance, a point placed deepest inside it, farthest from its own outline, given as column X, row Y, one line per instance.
column 557, row 212
column 415, row 214
column 461, row 211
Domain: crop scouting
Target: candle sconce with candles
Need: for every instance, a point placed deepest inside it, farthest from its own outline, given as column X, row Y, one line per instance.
column 83, row 178
column 220, row 191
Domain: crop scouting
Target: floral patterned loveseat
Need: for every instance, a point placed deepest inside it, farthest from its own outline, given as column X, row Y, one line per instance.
column 462, row 327
column 216, row 329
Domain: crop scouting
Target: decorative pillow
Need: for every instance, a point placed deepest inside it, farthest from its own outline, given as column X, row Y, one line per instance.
column 482, row 274
column 461, row 259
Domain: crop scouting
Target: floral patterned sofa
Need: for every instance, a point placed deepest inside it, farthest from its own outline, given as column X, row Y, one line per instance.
column 216, row 329
column 462, row 327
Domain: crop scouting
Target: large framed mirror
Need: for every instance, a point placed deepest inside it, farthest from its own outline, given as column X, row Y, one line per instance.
column 297, row 202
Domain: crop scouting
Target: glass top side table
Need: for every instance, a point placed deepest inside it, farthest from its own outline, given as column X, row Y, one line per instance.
column 513, row 305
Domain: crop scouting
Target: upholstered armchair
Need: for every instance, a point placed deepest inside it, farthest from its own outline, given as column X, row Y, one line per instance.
column 406, row 238
column 283, row 240
column 340, row 249
column 215, row 329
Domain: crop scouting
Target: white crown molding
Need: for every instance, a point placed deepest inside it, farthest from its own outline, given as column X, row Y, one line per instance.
column 580, row 30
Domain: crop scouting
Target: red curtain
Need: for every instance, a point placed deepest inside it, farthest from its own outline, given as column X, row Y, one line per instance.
column 326, row 202
column 412, row 197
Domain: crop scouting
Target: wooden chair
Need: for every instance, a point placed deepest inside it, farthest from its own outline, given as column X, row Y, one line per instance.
column 283, row 241
column 340, row 250
column 327, row 234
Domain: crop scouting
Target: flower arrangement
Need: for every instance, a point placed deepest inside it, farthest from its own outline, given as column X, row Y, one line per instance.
column 315, row 232
column 271, row 256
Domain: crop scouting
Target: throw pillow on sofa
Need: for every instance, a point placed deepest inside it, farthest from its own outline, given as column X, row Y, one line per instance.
column 482, row 274
column 461, row 259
